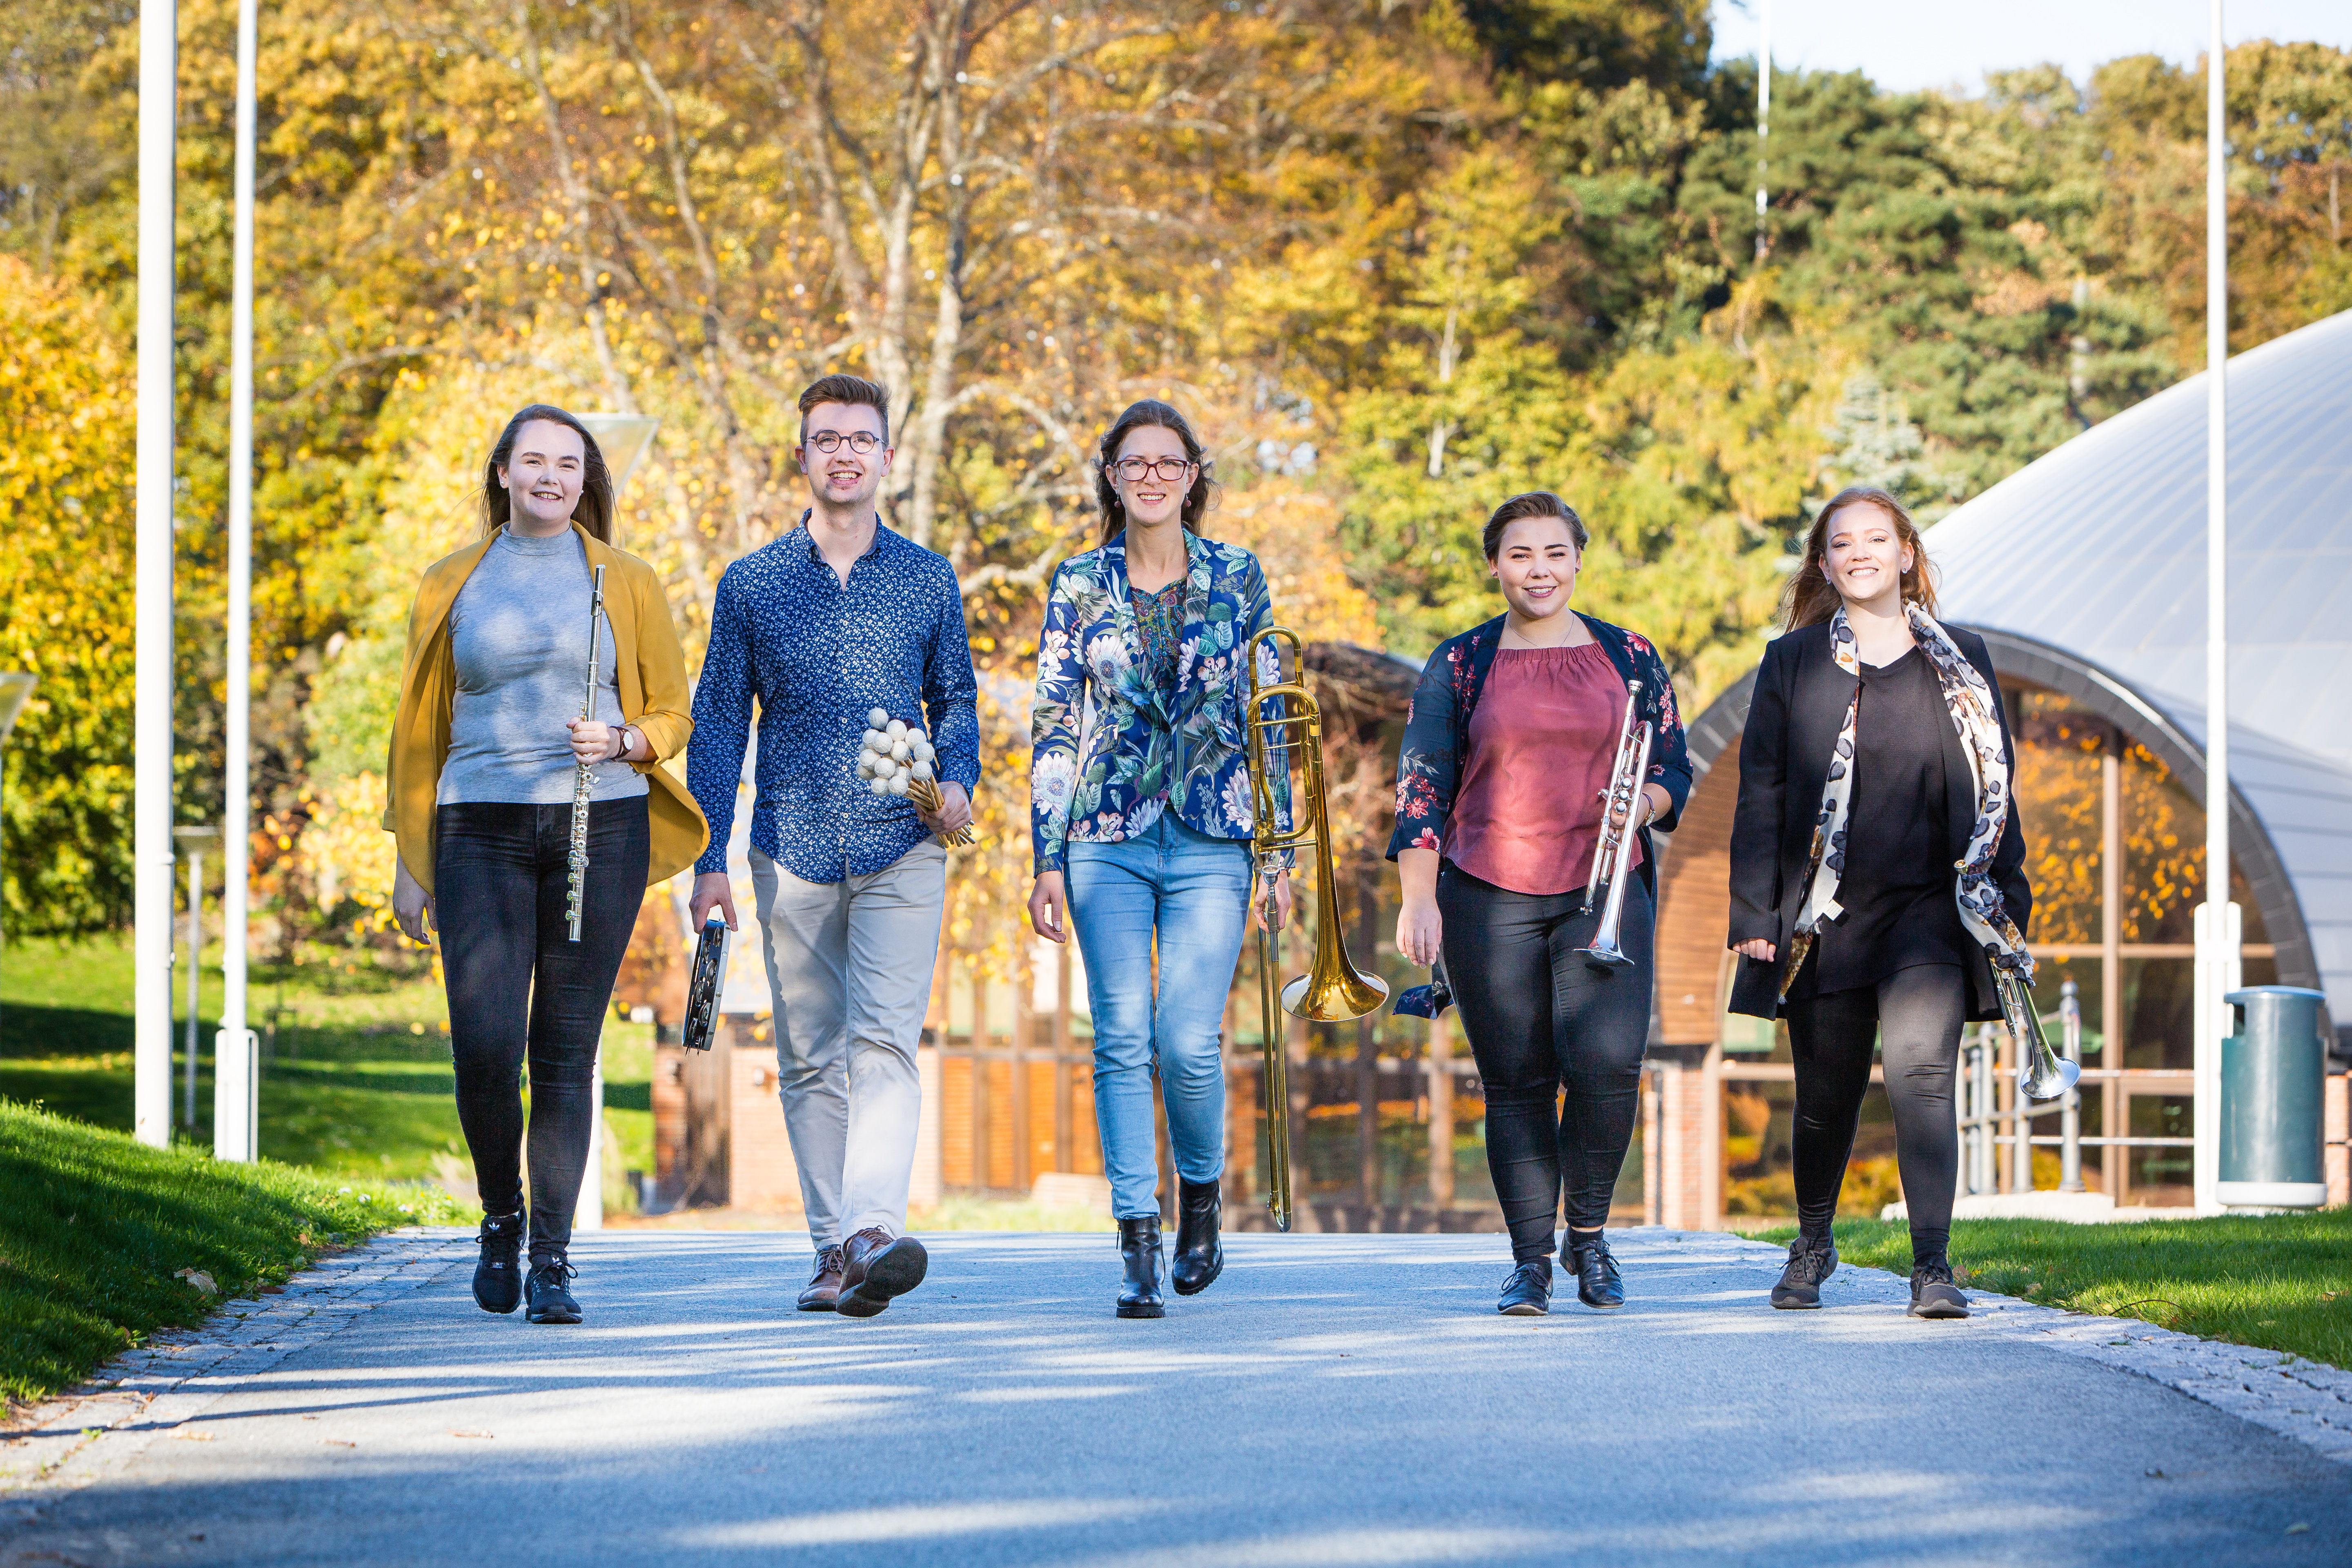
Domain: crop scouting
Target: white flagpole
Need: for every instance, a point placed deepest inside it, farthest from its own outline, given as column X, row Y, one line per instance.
column 151, row 636
column 236, row 1077
column 2217, row 921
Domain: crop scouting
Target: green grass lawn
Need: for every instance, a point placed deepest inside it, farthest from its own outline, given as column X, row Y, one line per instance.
column 98, row 1232
column 2281, row 1283
column 355, row 1073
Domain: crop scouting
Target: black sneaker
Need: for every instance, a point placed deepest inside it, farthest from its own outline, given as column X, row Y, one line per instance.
column 1933, row 1294
column 497, row 1277
column 1810, row 1263
column 1528, row 1292
column 551, row 1302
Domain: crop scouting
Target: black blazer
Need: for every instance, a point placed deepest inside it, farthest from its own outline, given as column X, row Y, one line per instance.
column 1793, row 720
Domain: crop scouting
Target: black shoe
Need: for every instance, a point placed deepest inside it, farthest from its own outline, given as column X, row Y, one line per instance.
column 1200, row 1254
column 1597, row 1284
column 1139, row 1249
column 1933, row 1294
column 497, row 1277
column 876, row 1267
column 1810, row 1263
column 1528, row 1292
column 549, row 1301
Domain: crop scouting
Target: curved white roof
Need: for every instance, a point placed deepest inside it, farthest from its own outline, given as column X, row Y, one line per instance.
column 2099, row 549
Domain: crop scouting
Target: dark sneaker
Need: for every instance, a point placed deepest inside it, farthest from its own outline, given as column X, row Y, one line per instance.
column 549, row 1301
column 497, row 1277
column 876, row 1267
column 1933, row 1294
column 824, row 1285
column 1528, row 1292
column 1597, row 1281
column 1810, row 1263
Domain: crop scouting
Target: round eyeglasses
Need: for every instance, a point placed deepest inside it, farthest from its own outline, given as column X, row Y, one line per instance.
column 860, row 441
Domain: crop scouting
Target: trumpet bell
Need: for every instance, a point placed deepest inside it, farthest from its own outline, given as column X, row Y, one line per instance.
column 1611, row 957
column 2049, row 1080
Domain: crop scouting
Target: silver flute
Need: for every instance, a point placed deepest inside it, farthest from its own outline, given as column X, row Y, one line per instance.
column 584, row 779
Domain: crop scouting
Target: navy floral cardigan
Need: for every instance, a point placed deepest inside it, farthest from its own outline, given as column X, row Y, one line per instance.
column 1429, row 769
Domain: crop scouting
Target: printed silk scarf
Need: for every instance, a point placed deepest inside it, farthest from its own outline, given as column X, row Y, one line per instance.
column 1977, row 719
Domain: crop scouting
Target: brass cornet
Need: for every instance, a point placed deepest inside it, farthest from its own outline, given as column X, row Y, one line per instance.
column 1333, row 989
column 1609, row 868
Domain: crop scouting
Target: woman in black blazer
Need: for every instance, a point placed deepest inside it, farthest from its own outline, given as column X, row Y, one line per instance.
column 1875, row 760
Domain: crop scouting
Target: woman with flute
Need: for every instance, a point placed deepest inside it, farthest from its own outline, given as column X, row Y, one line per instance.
column 1875, row 760
column 489, row 751
column 1507, row 757
column 1140, row 825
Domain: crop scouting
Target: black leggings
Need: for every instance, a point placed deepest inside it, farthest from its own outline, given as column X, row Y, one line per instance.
column 1539, row 1020
column 518, row 986
column 1916, row 1016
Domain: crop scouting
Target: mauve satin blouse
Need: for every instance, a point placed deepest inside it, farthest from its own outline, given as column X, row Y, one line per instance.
column 1540, row 743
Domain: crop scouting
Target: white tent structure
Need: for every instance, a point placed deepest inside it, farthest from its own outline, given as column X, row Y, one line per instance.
column 2086, row 571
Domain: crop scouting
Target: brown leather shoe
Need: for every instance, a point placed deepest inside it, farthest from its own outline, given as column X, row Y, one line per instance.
column 824, row 1285
column 875, row 1266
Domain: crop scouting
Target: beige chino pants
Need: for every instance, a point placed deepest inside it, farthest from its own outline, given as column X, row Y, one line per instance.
column 850, row 965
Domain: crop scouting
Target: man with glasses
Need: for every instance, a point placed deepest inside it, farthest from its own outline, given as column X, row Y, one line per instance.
column 836, row 620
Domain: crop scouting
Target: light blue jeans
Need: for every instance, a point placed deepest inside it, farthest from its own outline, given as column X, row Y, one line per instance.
column 1194, row 890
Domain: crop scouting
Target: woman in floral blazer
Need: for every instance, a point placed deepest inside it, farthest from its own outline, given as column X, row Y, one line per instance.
column 1141, row 819
column 1506, row 759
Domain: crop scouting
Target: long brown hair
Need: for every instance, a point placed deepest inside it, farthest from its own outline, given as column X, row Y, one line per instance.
column 595, row 512
column 1150, row 411
column 1810, row 600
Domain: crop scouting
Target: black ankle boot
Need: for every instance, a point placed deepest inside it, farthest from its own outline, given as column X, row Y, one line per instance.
column 1528, row 1292
column 1597, row 1284
column 497, row 1277
column 1200, row 1254
column 1139, row 1248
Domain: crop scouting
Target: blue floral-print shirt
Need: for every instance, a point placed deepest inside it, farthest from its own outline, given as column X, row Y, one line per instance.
column 1436, row 744
column 1148, row 744
column 820, row 655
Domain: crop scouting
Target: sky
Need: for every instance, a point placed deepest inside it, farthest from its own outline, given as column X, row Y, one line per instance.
column 1913, row 44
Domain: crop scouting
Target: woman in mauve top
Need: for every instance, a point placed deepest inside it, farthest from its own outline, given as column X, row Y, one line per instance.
column 1507, row 756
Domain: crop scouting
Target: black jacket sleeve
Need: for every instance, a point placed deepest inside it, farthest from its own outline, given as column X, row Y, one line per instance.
column 1757, row 821
column 2008, row 858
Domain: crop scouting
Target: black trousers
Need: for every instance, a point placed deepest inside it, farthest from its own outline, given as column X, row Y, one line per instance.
column 1541, row 1021
column 520, row 989
column 1916, row 1017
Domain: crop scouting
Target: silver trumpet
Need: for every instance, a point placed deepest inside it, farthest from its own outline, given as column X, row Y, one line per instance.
column 2042, row 1072
column 583, row 777
column 1609, row 868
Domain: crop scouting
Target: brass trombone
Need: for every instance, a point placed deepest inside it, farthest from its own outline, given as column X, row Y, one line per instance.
column 1333, row 989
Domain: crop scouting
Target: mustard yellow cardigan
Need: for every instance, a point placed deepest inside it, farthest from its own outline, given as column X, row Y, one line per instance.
column 654, row 698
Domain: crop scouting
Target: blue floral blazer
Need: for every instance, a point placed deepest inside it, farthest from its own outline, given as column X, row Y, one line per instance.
column 1146, row 747
column 1437, row 731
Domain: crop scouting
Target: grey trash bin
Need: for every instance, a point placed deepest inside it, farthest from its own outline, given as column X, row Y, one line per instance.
column 2273, row 1083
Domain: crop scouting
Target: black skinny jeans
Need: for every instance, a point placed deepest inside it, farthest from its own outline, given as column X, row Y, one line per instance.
column 1915, row 1014
column 1541, row 1020
column 520, row 987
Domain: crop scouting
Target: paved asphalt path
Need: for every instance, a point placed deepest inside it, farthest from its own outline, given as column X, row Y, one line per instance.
column 1331, row 1400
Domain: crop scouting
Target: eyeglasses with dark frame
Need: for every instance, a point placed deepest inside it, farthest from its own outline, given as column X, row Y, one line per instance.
column 829, row 441
column 1168, row 470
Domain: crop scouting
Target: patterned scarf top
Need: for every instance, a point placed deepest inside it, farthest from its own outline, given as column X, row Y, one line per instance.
column 1976, row 715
